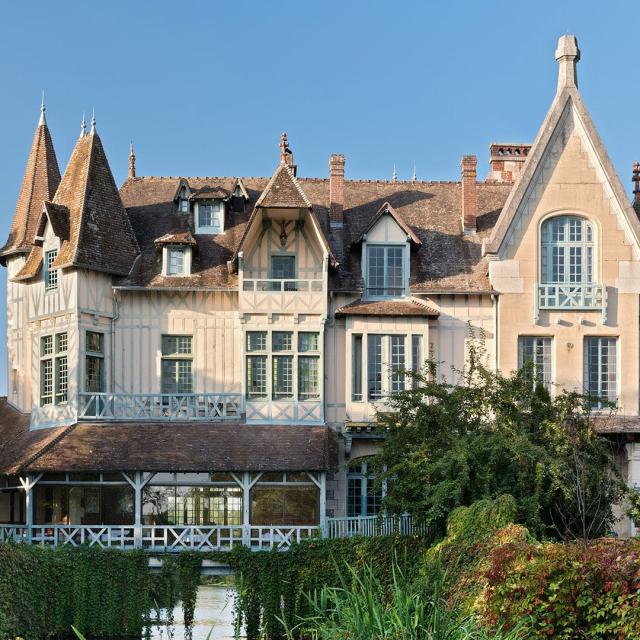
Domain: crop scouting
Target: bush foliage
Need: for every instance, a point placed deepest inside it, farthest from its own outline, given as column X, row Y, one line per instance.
column 450, row 445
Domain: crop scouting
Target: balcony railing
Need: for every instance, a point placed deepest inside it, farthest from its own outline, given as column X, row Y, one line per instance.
column 281, row 285
column 175, row 538
column 210, row 407
column 572, row 297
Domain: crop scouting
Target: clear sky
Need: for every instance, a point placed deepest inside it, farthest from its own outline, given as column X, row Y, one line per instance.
column 206, row 87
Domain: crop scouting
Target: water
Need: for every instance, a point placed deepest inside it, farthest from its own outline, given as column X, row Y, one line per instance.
column 214, row 608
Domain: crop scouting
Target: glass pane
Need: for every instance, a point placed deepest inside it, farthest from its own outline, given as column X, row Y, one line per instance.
column 94, row 374
column 158, row 505
column 61, row 342
column 283, row 267
column 282, row 377
column 285, row 506
column 95, row 342
column 256, row 341
column 176, row 345
column 256, row 376
column 356, row 369
column 308, row 377
column 397, row 363
column 282, row 340
column 354, row 497
column 307, row 341
column 374, row 373
column 46, row 345
column 177, row 376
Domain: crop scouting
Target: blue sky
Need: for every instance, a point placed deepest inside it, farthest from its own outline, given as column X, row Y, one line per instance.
column 205, row 88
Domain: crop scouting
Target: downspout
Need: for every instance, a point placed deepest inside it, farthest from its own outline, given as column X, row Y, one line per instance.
column 496, row 342
column 116, row 316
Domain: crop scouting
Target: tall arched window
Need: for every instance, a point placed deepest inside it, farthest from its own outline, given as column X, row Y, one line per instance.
column 567, row 251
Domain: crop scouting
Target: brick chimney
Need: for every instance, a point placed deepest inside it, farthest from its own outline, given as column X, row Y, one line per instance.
column 336, row 190
column 507, row 161
column 469, row 166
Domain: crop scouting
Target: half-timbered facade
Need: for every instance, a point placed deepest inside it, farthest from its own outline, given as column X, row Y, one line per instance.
column 198, row 362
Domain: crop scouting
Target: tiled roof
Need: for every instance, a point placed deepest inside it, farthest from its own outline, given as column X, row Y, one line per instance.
column 209, row 193
column 181, row 237
column 18, row 445
column 100, row 234
column 41, row 179
column 283, row 191
column 188, row 447
column 387, row 308
column 447, row 260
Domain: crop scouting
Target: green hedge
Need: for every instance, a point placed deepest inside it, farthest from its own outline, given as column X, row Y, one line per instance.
column 273, row 584
column 44, row 591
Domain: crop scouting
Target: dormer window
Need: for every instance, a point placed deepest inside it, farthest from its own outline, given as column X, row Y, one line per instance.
column 184, row 205
column 386, row 276
column 210, row 218
column 176, row 260
column 50, row 274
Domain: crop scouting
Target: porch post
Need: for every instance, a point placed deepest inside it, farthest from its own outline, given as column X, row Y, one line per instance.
column 29, row 507
column 246, row 493
column 137, row 526
column 323, row 504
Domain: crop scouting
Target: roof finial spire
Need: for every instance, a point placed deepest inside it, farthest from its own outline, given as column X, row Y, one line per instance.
column 394, row 177
column 284, row 147
column 414, row 177
column 93, row 121
column 636, row 182
column 43, row 119
column 83, row 127
column 132, row 162
column 567, row 55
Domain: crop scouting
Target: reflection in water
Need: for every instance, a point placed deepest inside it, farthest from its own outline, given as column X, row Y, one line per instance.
column 214, row 608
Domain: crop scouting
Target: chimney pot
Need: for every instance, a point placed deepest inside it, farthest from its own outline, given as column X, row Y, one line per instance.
column 336, row 190
column 469, row 166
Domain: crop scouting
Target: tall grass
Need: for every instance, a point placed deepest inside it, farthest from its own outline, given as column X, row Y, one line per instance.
column 363, row 608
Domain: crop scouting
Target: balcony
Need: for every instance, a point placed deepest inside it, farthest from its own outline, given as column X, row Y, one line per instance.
column 283, row 295
column 160, row 407
column 571, row 297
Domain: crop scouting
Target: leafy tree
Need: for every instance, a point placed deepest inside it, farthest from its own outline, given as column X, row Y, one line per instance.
column 449, row 445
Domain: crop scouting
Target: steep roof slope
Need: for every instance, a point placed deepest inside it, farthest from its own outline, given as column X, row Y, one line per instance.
column 100, row 234
column 41, row 179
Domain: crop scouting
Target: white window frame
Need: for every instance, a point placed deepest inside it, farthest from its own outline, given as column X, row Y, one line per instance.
column 366, row 246
column 540, row 344
column 50, row 275
column 186, row 260
column 391, row 381
column 212, row 229
column 600, row 399
column 54, row 363
column 177, row 358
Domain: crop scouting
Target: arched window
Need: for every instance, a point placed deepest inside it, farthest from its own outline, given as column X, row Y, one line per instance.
column 567, row 251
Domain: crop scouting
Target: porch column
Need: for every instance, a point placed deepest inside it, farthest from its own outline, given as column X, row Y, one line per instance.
column 246, row 494
column 323, row 504
column 137, row 523
column 28, row 507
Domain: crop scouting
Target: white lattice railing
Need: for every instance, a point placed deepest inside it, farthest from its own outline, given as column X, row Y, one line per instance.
column 191, row 538
column 105, row 536
column 572, row 297
column 160, row 406
column 371, row 526
column 13, row 532
column 281, row 284
column 262, row 538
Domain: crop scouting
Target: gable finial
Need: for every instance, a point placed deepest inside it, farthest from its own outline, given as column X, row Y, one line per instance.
column 93, row 121
column 567, row 55
column 132, row 162
column 83, row 127
column 394, row 176
column 43, row 119
column 284, row 147
column 636, row 182
column 414, row 177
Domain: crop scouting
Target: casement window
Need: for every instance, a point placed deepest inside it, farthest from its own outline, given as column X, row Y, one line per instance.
column 183, row 205
column 94, row 362
column 364, row 495
column 278, row 354
column 385, row 365
column 256, row 364
column 385, row 271
column 600, row 370
column 176, row 261
column 567, row 251
column 417, row 358
column 53, row 369
column 210, row 217
column 535, row 352
column 50, row 275
column 283, row 268
column 356, row 369
column 177, row 363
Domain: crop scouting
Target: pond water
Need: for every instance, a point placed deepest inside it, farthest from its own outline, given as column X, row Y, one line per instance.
column 214, row 609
